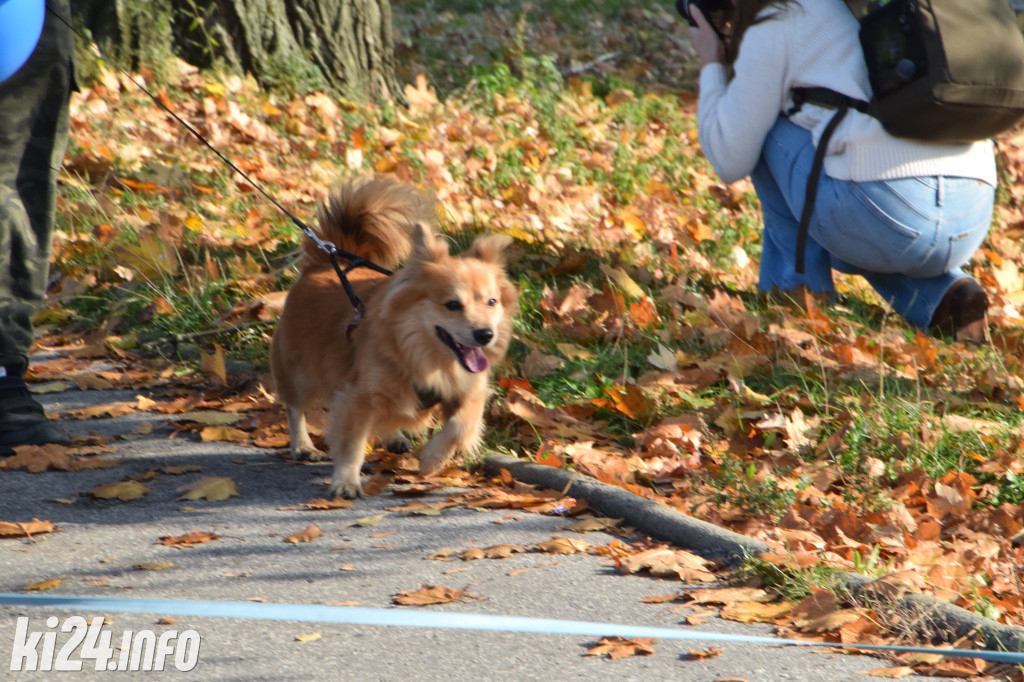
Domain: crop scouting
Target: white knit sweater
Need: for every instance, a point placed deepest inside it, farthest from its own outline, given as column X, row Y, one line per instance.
column 814, row 43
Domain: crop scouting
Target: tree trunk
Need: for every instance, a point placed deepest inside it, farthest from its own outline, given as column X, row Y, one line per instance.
column 344, row 46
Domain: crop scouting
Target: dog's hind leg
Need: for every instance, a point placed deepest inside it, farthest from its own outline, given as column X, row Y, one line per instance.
column 298, row 434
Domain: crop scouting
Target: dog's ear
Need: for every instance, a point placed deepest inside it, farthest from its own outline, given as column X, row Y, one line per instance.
column 427, row 246
column 490, row 248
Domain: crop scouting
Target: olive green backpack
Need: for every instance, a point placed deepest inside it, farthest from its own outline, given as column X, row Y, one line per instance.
column 940, row 71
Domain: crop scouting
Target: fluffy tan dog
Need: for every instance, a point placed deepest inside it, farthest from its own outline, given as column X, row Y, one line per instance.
column 424, row 349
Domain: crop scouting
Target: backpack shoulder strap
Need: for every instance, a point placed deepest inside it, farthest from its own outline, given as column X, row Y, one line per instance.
column 825, row 97
column 842, row 104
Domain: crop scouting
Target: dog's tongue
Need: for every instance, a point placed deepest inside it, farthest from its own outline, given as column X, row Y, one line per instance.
column 475, row 359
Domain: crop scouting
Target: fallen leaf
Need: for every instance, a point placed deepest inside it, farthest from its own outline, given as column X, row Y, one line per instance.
column 415, row 489
column 213, row 365
column 621, row 647
column 574, row 352
column 421, row 97
column 891, row 673
column 821, row 603
column 153, row 257
column 625, row 399
column 663, row 358
column 310, row 637
column 43, row 585
column 538, row 364
column 623, row 282
column 596, row 523
column 110, row 411
column 377, row 484
column 93, row 462
column 153, row 565
column 122, row 490
column 665, row 562
column 918, row 657
column 192, row 538
column 39, row 458
column 308, row 535
column 560, row 545
column 421, row 508
column 140, row 430
column 830, row 621
column 730, row 595
column 693, row 655
column 211, row 488
column 209, row 418
column 432, row 594
column 181, row 469
column 368, row 521
column 51, row 387
column 222, row 433
column 321, row 504
column 755, row 612
column 502, row 551
column 24, row 530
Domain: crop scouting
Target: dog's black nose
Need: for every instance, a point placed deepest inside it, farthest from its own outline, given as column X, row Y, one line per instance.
column 483, row 336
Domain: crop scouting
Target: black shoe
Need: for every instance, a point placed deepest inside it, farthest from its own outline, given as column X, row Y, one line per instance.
column 22, row 419
column 963, row 313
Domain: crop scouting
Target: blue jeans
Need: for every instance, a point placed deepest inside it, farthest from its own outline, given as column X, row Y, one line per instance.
column 908, row 237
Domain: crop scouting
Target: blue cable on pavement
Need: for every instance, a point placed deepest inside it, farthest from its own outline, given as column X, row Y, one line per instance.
column 353, row 615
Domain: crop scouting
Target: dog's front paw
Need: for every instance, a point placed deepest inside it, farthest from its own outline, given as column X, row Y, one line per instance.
column 308, row 453
column 347, row 488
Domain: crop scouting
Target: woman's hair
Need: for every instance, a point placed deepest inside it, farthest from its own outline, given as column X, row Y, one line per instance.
column 745, row 14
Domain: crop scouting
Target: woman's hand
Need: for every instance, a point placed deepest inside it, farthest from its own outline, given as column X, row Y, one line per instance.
column 704, row 39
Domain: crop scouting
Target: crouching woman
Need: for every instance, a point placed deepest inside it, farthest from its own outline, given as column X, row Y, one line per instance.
column 904, row 214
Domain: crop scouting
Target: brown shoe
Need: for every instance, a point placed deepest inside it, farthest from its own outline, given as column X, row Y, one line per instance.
column 963, row 313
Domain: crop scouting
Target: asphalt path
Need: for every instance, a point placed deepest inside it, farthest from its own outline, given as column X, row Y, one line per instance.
column 101, row 544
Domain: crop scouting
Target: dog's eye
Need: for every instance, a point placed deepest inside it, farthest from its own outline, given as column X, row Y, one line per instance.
column 453, row 305
column 491, row 302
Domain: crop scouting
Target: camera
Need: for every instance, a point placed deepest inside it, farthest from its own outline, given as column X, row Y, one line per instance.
column 715, row 11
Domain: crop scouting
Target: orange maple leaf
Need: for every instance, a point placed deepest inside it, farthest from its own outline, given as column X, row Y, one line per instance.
column 621, row 647
column 189, row 539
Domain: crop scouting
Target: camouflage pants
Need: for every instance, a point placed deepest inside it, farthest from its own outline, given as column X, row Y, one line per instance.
column 33, row 137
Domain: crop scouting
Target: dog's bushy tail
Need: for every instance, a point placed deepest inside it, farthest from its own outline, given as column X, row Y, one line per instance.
column 372, row 219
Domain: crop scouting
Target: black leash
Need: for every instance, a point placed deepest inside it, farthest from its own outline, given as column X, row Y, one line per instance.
column 332, row 251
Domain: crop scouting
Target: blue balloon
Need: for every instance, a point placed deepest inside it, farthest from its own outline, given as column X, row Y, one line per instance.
column 21, row 22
